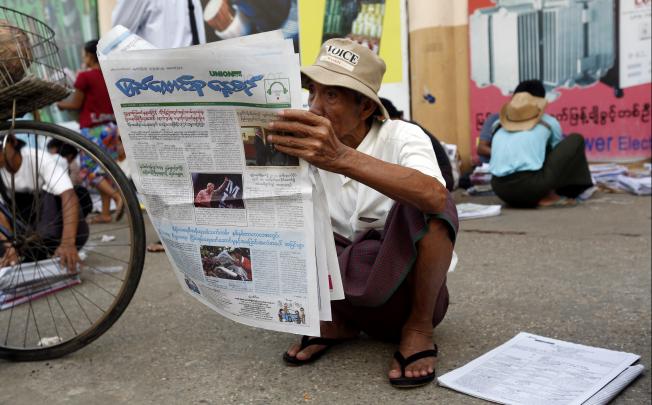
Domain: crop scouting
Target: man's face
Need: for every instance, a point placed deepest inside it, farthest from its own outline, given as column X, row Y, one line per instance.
column 210, row 187
column 338, row 105
column 10, row 157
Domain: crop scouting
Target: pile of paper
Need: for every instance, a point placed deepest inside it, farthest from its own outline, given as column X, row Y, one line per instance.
column 618, row 178
column 636, row 185
column 531, row 369
column 605, row 172
column 246, row 228
column 481, row 175
column 30, row 281
column 474, row 211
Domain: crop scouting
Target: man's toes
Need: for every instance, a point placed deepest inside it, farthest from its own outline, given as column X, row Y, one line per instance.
column 419, row 370
column 394, row 371
column 308, row 352
column 293, row 350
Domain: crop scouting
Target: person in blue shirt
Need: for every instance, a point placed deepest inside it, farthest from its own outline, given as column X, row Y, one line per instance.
column 532, row 164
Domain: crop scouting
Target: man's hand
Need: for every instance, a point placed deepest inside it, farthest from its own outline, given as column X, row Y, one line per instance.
column 10, row 258
column 69, row 256
column 314, row 139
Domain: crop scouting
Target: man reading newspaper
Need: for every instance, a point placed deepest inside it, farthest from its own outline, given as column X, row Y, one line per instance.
column 394, row 220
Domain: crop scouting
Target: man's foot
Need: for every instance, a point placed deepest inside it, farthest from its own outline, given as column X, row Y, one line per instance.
column 100, row 219
column 156, row 247
column 120, row 209
column 559, row 202
column 329, row 330
column 414, row 340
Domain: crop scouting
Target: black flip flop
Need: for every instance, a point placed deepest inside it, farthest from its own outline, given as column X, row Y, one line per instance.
column 411, row 382
column 308, row 341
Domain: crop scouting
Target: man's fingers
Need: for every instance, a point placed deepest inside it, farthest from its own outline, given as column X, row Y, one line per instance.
column 295, row 127
column 304, row 116
column 288, row 141
column 290, row 151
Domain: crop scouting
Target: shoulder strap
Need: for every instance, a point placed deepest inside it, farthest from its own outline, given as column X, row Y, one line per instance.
column 495, row 127
column 545, row 124
column 193, row 23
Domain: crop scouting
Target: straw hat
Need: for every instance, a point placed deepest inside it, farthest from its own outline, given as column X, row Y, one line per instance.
column 523, row 112
column 345, row 63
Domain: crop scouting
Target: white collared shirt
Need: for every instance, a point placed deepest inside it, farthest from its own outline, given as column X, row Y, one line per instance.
column 163, row 23
column 52, row 177
column 355, row 207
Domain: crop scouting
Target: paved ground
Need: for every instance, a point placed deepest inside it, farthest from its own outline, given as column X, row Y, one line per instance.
column 579, row 274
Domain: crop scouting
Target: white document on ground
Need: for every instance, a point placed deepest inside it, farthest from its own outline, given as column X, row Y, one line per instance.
column 30, row 272
column 638, row 186
column 474, row 211
column 531, row 370
column 609, row 392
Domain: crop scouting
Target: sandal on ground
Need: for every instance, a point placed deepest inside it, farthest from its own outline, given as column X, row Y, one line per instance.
column 156, row 247
column 308, row 341
column 560, row 203
column 411, row 382
column 99, row 219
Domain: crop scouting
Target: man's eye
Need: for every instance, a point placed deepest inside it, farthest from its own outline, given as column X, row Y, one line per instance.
column 331, row 95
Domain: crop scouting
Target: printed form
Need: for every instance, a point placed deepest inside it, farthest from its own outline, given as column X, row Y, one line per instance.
column 531, row 369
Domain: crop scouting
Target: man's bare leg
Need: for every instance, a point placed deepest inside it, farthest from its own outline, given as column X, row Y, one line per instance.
column 434, row 255
column 331, row 330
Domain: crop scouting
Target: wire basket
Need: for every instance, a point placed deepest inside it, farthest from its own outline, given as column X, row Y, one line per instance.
column 30, row 67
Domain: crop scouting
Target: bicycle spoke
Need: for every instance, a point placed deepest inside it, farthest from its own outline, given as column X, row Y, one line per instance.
column 103, row 272
column 108, row 230
column 109, row 272
column 107, row 256
column 11, row 311
column 72, row 292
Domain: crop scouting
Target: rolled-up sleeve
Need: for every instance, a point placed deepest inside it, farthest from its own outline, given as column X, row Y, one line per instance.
column 417, row 153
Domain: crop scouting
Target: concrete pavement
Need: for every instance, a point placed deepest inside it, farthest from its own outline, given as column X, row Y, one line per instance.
column 578, row 274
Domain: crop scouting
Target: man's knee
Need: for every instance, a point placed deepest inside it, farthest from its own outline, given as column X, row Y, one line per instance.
column 440, row 232
column 436, row 243
column 576, row 140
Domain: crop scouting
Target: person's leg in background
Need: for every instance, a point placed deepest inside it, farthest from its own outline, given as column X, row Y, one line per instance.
column 568, row 168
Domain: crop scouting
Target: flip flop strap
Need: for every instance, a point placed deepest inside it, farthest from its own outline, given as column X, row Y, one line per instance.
column 308, row 341
column 404, row 362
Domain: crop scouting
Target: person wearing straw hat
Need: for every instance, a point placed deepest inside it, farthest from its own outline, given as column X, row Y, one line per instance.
column 532, row 164
column 394, row 221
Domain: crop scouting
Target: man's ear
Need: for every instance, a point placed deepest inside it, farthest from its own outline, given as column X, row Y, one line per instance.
column 368, row 107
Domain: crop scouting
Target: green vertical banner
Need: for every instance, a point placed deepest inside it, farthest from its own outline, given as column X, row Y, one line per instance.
column 73, row 21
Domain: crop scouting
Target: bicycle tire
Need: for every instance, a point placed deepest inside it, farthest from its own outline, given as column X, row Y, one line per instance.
column 134, row 268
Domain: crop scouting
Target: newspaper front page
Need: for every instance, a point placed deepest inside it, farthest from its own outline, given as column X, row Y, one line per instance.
column 235, row 215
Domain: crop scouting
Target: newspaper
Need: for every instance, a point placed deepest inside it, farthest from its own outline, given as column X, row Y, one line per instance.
column 237, row 217
column 30, row 281
column 531, row 369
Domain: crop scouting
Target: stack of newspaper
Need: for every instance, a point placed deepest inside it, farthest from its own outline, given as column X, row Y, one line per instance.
column 532, row 369
column 30, row 281
column 246, row 228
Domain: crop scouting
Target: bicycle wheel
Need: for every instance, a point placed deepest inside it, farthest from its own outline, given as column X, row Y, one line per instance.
column 47, row 311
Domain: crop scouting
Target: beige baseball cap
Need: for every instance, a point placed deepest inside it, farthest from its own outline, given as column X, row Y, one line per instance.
column 345, row 63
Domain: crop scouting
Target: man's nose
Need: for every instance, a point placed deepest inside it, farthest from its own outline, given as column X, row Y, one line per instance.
column 316, row 105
